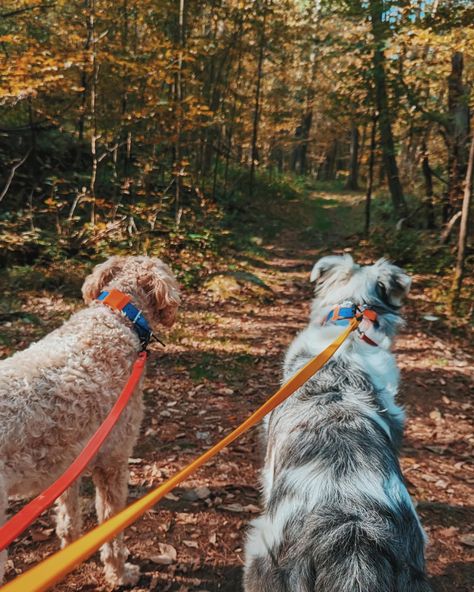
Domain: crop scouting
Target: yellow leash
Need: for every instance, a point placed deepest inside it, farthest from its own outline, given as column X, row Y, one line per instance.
column 55, row 568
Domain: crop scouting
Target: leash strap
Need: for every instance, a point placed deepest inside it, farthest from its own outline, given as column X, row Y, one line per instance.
column 55, row 568
column 18, row 523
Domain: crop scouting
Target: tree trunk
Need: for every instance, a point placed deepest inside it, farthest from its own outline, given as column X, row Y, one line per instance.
column 277, row 155
column 385, row 123
column 33, row 139
column 83, row 107
column 121, row 135
column 299, row 155
column 425, row 165
column 353, row 178
column 256, row 115
column 306, row 125
column 231, row 127
column 296, row 152
column 329, row 171
column 179, row 114
column 93, row 107
column 458, row 133
column 463, row 231
column 370, row 176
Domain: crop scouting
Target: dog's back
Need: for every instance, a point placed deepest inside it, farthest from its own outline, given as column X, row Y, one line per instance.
column 54, row 394
column 337, row 515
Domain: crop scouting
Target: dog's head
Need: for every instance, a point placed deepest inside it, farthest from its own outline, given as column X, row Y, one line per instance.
column 382, row 286
column 148, row 280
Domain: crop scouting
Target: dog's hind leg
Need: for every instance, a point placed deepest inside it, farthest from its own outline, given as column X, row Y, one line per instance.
column 3, row 509
column 68, row 515
column 260, row 576
column 413, row 579
column 111, row 484
column 263, row 575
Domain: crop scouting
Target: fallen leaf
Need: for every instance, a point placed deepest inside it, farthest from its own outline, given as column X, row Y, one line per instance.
column 448, row 532
column 166, row 556
column 467, row 539
column 42, row 535
column 251, row 508
column 232, row 507
column 202, row 492
column 436, row 415
column 172, row 497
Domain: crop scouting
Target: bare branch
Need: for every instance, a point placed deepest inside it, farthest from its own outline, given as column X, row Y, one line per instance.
column 435, row 174
column 449, row 228
column 12, row 174
column 26, row 9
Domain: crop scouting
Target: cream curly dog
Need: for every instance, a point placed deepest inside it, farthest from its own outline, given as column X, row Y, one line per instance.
column 54, row 395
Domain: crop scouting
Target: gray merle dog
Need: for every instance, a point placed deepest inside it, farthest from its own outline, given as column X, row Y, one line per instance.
column 337, row 515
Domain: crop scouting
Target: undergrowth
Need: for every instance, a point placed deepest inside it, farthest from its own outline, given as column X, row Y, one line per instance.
column 213, row 234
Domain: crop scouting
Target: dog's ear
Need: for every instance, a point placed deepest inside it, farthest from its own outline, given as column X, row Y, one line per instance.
column 161, row 286
column 101, row 275
column 328, row 266
column 393, row 284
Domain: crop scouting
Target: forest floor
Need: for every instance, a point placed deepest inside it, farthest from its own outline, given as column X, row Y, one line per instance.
column 222, row 360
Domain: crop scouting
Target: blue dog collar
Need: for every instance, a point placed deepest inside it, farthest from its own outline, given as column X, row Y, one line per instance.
column 122, row 302
column 341, row 315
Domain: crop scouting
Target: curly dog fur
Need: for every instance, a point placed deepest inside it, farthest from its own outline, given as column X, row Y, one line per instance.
column 54, row 395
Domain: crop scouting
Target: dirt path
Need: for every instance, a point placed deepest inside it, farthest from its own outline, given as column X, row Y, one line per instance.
column 223, row 360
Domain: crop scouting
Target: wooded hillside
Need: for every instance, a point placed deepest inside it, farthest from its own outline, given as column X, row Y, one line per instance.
column 121, row 120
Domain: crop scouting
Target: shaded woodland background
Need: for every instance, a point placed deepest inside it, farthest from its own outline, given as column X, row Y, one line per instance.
column 135, row 124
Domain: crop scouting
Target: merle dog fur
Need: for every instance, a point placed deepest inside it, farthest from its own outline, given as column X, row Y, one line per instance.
column 337, row 516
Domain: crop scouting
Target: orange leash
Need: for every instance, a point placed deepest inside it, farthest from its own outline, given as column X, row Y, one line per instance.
column 55, row 568
column 18, row 523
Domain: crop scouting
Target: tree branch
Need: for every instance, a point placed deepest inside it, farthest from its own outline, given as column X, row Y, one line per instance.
column 12, row 174
column 449, row 228
column 439, row 177
column 439, row 118
column 25, row 9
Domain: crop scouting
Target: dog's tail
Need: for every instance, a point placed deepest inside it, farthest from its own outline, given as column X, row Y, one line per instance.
column 335, row 550
column 361, row 555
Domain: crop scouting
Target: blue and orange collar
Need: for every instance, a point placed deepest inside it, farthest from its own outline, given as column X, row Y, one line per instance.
column 343, row 313
column 117, row 300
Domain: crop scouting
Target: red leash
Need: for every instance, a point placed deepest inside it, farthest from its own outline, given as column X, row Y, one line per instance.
column 18, row 523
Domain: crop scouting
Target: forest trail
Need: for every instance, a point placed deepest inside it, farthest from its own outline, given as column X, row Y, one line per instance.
column 222, row 361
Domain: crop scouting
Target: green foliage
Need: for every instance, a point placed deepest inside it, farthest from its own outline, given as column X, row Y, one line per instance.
column 414, row 249
column 56, row 277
